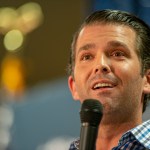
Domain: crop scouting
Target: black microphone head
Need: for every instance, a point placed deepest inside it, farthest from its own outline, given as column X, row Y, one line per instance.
column 91, row 112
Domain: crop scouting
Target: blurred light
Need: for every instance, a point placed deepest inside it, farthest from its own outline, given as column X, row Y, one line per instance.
column 6, row 117
column 13, row 40
column 6, row 121
column 31, row 16
column 7, row 18
column 26, row 18
column 12, row 75
column 15, row 24
column 5, row 139
column 56, row 143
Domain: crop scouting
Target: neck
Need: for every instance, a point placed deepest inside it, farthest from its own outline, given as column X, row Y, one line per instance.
column 109, row 134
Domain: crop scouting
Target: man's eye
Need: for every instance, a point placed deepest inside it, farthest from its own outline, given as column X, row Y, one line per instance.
column 118, row 54
column 87, row 57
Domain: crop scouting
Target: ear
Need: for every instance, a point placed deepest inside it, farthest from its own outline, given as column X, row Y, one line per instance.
column 147, row 83
column 72, row 87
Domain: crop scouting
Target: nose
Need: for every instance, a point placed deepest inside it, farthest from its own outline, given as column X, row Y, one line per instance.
column 102, row 65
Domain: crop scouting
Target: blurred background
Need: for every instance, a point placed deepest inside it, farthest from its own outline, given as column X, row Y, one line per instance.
column 37, row 111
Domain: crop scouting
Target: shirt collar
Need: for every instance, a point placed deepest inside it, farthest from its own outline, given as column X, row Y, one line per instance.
column 142, row 133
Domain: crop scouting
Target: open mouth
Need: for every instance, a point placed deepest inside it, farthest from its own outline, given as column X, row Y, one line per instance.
column 102, row 85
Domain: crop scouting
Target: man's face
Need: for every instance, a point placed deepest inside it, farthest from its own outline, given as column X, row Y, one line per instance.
column 108, row 69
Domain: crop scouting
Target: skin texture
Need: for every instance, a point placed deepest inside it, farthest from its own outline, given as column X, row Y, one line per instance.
column 106, row 54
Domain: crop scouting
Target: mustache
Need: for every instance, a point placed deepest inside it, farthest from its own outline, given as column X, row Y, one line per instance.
column 108, row 77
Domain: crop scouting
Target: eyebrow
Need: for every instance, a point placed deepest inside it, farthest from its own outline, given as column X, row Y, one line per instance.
column 117, row 44
column 87, row 46
column 109, row 44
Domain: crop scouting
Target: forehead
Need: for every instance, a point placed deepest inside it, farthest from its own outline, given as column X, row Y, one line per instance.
column 114, row 31
column 99, row 32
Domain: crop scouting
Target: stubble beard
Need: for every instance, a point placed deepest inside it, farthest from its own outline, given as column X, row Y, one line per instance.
column 117, row 114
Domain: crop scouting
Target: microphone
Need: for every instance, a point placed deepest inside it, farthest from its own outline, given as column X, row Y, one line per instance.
column 90, row 116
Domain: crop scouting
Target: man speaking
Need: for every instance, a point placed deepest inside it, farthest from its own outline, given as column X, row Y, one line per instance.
column 110, row 62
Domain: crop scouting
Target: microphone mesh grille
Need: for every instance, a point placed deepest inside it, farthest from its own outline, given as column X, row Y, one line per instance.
column 91, row 112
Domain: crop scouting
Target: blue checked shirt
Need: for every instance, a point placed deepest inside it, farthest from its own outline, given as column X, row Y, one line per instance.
column 137, row 138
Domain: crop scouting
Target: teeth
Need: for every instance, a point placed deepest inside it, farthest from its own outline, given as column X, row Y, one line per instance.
column 101, row 85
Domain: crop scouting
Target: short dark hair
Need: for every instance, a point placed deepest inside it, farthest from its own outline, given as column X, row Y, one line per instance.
column 118, row 17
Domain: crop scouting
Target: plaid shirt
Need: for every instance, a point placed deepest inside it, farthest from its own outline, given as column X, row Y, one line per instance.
column 137, row 138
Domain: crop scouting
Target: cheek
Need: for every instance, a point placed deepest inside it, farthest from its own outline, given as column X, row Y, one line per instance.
column 82, row 72
column 131, row 78
column 128, row 70
column 81, row 75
